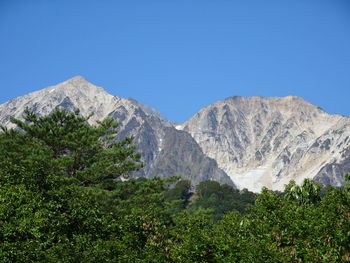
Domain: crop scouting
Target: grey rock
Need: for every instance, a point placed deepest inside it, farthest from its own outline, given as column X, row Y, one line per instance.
column 269, row 141
column 250, row 142
column 165, row 151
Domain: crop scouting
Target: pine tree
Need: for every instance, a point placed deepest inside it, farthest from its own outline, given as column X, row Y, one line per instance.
column 87, row 153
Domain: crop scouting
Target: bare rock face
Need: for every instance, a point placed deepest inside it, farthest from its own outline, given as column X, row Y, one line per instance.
column 270, row 141
column 69, row 94
column 165, row 151
column 247, row 142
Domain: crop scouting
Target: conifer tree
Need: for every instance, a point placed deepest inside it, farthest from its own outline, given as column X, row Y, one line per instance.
column 87, row 153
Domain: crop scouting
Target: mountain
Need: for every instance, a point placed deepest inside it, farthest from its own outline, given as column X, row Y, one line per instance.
column 269, row 141
column 245, row 142
column 165, row 151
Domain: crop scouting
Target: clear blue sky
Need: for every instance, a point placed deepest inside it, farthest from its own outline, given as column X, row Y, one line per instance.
column 180, row 55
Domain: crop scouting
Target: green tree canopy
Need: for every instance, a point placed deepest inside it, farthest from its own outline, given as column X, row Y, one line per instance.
column 66, row 141
column 60, row 202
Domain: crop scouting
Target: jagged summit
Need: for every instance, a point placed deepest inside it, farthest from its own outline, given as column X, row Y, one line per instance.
column 79, row 85
column 249, row 142
column 164, row 150
column 287, row 101
column 268, row 141
column 73, row 93
column 256, row 99
column 76, row 80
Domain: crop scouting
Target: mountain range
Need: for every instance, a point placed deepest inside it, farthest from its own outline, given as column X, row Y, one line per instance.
column 244, row 142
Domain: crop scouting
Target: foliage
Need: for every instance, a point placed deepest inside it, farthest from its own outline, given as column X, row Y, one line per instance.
column 307, row 193
column 78, row 149
column 60, row 201
column 276, row 229
column 221, row 199
column 178, row 196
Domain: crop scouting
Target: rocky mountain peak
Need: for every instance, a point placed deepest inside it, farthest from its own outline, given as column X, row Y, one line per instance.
column 288, row 103
column 76, row 81
column 165, row 151
column 74, row 93
column 78, row 86
column 267, row 141
column 249, row 142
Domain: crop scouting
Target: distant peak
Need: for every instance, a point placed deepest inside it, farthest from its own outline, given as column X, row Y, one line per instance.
column 76, row 84
column 261, row 98
column 242, row 98
column 76, row 80
column 292, row 98
column 80, row 78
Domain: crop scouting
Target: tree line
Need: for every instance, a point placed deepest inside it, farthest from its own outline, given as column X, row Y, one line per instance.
column 62, row 200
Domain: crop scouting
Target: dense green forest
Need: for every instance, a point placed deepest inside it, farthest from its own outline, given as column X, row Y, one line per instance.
column 62, row 200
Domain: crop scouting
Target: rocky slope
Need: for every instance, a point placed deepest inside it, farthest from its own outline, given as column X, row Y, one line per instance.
column 269, row 141
column 247, row 142
column 165, row 151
